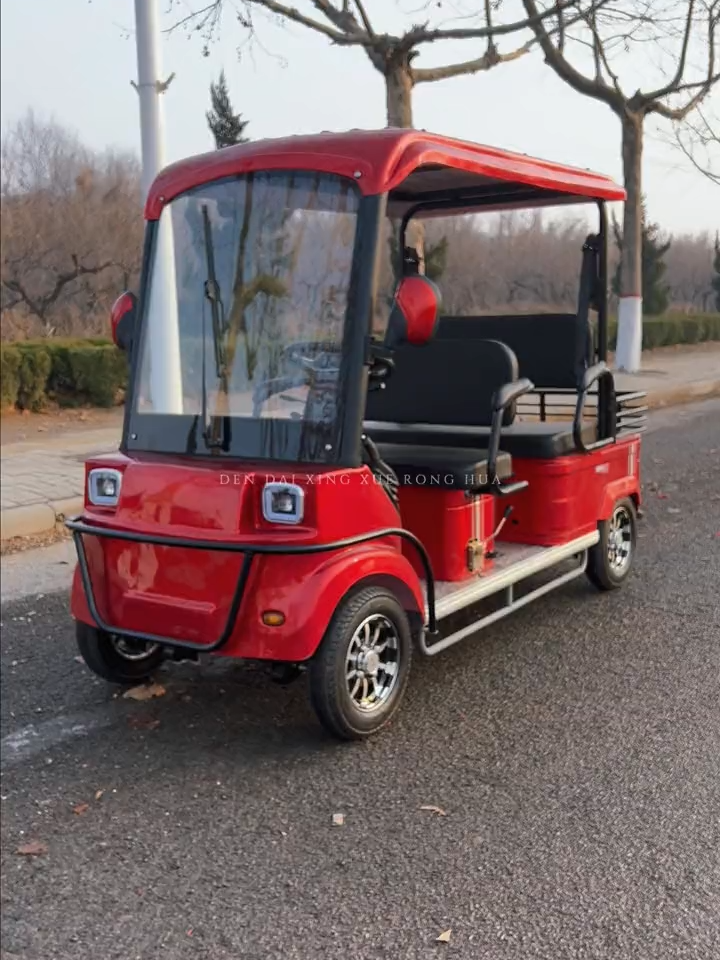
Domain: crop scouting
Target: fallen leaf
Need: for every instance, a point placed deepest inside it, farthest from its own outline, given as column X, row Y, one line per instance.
column 338, row 819
column 81, row 808
column 99, row 794
column 444, row 937
column 145, row 692
column 438, row 810
column 143, row 723
column 32, row 849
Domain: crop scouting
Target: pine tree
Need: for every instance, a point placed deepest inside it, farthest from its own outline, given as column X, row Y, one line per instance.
column 226, row 127
column 655, row 293
column 715, row 283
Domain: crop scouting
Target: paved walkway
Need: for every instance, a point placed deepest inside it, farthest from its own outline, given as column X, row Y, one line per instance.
column 42, row 479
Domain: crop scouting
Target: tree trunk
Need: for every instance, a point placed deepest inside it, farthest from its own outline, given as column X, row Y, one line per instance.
column 398, row 92
column 629, row 341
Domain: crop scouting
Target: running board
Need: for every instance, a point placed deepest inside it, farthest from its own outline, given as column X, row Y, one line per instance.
column 504, row 581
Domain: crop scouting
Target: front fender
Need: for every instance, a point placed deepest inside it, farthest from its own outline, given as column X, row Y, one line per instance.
column 310, row 597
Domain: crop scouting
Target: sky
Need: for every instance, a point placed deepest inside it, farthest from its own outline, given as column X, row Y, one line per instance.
column 74, row 60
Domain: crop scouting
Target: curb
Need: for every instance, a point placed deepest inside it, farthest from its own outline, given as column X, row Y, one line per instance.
column 37, row 518
column 687, row 393
column 41, row 518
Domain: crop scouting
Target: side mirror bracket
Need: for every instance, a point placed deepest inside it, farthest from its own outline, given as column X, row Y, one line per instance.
column 122, row 321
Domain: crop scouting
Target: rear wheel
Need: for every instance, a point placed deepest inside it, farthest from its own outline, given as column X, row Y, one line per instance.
column 116, row 658
column 359, row 674
column 611, row 559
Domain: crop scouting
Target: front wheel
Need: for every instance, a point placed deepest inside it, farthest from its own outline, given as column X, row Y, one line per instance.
column 611, row 559
column 116, row 658
column 359, row 674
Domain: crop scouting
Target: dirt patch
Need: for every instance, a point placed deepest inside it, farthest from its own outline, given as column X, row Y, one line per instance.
column 20, row 544
column 16, row 426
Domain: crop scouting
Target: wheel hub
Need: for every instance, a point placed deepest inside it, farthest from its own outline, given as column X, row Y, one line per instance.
column 619, row 542
column 373, row 663
column 368, row 663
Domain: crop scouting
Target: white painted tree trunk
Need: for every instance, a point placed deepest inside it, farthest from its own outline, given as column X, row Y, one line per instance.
column 628, row 351
column 162, row 314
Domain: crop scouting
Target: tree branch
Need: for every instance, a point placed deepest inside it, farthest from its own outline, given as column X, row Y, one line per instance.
column 703, row 87
column 486, row 62
column 41, row 304
column 365, row 19
column 344, row 36
column 674, row 84
column 596, row 89
column 534, row 20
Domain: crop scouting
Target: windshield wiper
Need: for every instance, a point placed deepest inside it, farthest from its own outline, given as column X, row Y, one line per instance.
column 212, row 293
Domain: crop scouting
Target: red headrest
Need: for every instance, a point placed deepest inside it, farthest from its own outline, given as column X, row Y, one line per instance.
column 415, row 312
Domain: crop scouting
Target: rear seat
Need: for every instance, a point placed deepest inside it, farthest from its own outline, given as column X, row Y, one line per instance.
column 526, row 441
column 441, row 394
column 553, row 350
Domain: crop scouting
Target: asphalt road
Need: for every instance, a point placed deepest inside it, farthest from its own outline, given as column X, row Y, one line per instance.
column 574, row 751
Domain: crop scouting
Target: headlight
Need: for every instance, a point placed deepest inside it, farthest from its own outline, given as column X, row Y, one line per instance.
column 283, row 503
column 104, row 487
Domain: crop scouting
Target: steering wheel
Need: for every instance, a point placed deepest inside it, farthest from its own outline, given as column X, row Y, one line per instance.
column 312, row 354
column 318, row 366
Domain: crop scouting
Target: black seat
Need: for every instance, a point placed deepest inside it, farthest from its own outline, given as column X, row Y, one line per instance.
column 445, row 381
column 541, row 441
column 553, row 350
column 443, row 467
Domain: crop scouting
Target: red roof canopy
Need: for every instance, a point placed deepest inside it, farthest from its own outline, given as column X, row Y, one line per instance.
column 380, row 161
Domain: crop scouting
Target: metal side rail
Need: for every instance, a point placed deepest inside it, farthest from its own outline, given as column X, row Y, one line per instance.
column 504, row 581
column 81, row 528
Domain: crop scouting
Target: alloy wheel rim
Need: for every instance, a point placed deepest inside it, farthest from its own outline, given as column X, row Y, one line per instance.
column 619, row 542
column 372, row 664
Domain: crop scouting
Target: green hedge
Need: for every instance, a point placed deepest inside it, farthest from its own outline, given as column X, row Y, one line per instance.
column 674, row 328
column 70, row 373
column 94, row 372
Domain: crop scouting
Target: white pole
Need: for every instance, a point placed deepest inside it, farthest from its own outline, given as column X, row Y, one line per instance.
column 164, row 338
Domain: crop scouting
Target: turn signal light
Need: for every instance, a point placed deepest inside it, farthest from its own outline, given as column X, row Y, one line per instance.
column 273, row 618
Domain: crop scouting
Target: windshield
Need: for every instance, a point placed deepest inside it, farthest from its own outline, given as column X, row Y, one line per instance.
column 245, row 319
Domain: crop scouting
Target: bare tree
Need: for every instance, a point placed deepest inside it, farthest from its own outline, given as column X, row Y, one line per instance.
column 684, row 34
column 698, row 139
column 71, row 229
column 347, row 23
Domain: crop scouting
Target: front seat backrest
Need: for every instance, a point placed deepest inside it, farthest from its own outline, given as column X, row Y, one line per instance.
column 445, row 382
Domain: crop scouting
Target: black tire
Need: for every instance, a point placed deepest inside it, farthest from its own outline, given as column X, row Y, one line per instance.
column 332, row 698
column 604, row 569
column 102, row 652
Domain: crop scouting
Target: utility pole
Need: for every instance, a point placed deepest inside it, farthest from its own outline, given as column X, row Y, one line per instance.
column 162, row 309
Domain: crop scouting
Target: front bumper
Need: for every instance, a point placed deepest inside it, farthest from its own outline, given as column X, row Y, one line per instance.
column 81, row 528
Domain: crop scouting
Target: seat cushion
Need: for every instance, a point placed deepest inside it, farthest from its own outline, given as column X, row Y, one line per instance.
column 443, row 467
column 524, row 440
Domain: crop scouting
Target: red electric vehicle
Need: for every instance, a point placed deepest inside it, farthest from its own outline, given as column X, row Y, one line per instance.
column 311, row 479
